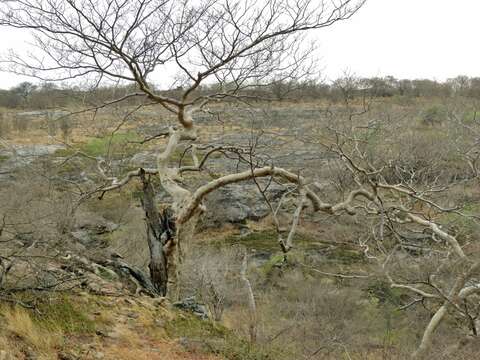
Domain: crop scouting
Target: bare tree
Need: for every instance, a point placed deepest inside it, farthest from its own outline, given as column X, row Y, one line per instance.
column 234, row 43
column 237, row 45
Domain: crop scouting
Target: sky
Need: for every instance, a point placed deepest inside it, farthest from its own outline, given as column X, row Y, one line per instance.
column 434, row 39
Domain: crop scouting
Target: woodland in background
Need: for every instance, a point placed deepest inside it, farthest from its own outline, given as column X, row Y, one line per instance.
column 29, row 95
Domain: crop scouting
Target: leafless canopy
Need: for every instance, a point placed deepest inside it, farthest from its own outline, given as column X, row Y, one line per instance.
column 236, row 43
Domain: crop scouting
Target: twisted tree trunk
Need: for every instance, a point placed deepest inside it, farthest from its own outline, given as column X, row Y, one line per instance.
column 160, row 236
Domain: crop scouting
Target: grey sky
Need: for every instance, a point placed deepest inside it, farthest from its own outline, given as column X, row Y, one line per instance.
column 405, row 38
column 434, row 39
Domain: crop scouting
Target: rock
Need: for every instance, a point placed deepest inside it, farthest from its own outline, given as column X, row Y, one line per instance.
column 114, row 334
column 18, row 156
column 30, row 354
column 88, row 230
column 99, row 355
column 244, row 231
column 144, row 159
column 82, row 236
column 132, row 315
column 95, row 284
column 237, row 203
column 189, row 304
column 32, row 151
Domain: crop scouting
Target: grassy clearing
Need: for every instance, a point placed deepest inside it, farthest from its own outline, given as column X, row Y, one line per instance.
column 115, row 146
column 117, row 143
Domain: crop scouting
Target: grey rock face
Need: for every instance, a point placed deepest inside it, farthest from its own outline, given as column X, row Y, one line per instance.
column 237, row 203
column 18, row 156
column 189, row 304
column 82, row 236
column 26, row 151
column 87, row 231
column 144, row 159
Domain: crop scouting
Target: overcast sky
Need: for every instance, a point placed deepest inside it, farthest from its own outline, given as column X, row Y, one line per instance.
column 435, row 39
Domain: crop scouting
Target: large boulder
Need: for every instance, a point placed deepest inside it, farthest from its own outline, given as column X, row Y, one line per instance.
column 145, row 159
column 89, row 230
column 237, row 203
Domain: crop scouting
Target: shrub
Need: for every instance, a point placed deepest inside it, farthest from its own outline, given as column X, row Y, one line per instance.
column 434, row 115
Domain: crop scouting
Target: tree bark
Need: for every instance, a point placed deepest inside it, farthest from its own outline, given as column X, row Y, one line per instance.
column 160, row 234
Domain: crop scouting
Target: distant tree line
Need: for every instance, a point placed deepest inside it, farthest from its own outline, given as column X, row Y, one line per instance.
column 27, row 95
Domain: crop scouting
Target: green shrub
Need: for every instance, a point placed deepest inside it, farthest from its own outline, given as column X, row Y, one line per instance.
column 434, row 115
column 383, row 293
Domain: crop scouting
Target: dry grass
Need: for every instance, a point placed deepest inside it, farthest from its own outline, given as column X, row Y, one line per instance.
column 21, row 324
column 8, row 349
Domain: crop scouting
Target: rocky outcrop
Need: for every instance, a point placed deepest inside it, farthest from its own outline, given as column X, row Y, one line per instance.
column 237, row 203
column 88, row 231
column 17, row 156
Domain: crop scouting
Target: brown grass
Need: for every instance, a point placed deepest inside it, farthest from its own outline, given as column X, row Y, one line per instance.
column 21, row 324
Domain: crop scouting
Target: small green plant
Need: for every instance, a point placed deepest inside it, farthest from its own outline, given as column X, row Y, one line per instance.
column 115, row 146
column 383, row 293
column 3, row 158
column 434, row 115
column 471, row 117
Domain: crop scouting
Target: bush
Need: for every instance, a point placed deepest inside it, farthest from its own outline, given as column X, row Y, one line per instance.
column 434, row 115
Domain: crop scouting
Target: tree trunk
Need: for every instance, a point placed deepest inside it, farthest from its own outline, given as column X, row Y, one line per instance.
column 160, row 233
